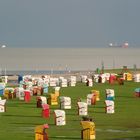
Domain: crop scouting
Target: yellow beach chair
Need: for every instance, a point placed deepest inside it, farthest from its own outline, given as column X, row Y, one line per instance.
column 88, row 131
column 41, row 133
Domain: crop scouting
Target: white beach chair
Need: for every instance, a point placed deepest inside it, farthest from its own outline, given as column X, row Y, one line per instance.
column 72, row 81
column 89, row 98
column 63, row 82
column 43, row 99
column 136, row 77
column 109, row 106
column 96, row 78
column 89, row 82
column 2, row 105
column 56, row 89
column 20, row 93
column 60, row 118
column 82, row 108
column 53, row 82
column 65, row 102
column 103, row 77
column 110, row 94
column 83, row 78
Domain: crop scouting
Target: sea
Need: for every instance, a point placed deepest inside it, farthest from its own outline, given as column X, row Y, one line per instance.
column 60, row 60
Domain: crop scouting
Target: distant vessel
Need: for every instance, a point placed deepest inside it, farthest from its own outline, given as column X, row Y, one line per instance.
column 3, row 46
column 124, row 45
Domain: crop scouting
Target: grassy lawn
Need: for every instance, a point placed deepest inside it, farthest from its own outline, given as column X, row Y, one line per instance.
column 20, row 119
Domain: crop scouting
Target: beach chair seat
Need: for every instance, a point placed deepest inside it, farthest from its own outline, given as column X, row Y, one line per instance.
column 41, row 132
column 39, row 90
column 60, row 117
column 65, row 102
column 41, row 100
column 112, row 79
column 20, row 93
column 91, row 99
column 88, row 131
column 9, row 93
column 110, row 94
column 137, row 92
column 52, row 99
column 27, row 96
column 45, row 88
column 2, row 87
column 83, row 78
column 109, row 106
column 45, row 111
column 2, row 105
column 82, row 108
column 35, row 88
column 89, row 82
column 72, row 81
column 97, row 94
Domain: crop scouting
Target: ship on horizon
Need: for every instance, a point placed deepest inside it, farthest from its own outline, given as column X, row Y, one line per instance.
column 124, row 45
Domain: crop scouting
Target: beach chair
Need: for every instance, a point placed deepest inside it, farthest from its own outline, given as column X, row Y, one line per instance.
column 52, row 99
column 52, row 82
column 60, row 118
column 40, row 82
column 82, row 108
column 89, row 82
column 109, row 106
column 20, row 93
column 65, row 102
column 127, row 76
column 45, row 111
column 91, row 99
column 137, row 77
column 39, row 90
column 102, row 78
column 137, row 92
column 63, row 82
column 4, row 79
column 97, row 94
column 27, row 96
column 96, row 78
column 45, row 88
column 41, row 100
column 110, row 95
column 57, row 91
column 112, row 79
column 9, row 93
column 41, row 132
column 88, row 131
column 35, row 88
column 72, row 81
column 83, row 78
column 2, row 105
column 2, row 89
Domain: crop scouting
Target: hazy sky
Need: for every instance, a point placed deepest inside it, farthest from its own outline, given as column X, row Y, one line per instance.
column 86, row 23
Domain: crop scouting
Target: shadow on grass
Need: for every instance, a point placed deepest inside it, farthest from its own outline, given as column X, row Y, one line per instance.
column 64, row 138
column 52, row 124
column 99, row 107
column 103, row 112
column 20, row 123
column 72, row 113
column 127, row 138
column 8, row 115
column 125, row 96
column 74, row 120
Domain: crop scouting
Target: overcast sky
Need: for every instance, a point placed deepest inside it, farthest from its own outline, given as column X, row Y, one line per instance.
column 69, row 23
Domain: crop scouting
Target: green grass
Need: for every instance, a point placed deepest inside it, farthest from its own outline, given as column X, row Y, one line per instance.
column 20, row 119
